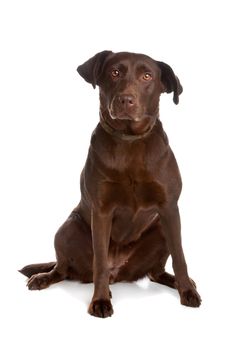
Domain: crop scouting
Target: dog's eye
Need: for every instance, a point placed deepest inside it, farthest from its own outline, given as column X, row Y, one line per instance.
column 115, row 73
column 147, row 76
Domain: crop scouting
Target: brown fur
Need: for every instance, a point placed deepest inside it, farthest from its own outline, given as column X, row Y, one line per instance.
column 127, row 222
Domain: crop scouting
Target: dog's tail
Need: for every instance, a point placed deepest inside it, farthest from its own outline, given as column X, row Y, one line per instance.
column 32, row 269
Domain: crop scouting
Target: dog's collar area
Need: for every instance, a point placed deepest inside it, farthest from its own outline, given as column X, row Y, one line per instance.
column 123, row 136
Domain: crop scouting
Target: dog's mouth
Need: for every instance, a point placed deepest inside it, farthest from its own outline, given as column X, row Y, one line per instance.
column 131, row 123
column 130, row 118
column 125, row 116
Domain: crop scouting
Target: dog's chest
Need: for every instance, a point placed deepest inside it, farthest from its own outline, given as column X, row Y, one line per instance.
column 129, row 188
column 132, row 194
column 131, row 180
column 133, row 205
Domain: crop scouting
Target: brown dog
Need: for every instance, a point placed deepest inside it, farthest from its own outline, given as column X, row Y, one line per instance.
column 127, row 222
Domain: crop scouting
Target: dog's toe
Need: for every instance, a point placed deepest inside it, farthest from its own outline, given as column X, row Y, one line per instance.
column 38, row 281
column 101, row 308
column 190, row 298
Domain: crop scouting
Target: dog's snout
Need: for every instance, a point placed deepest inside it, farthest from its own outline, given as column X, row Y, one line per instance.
column 124, row 106
column 126, row 101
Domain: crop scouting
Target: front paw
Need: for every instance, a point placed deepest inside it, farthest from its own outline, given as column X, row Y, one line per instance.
column 101, row 308
column 190, row 297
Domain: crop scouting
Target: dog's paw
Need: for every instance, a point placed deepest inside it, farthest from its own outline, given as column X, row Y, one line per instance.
column 190, row 297
column 38, row 281
column 101, row 308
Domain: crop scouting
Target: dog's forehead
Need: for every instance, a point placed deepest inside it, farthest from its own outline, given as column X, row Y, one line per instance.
column 129, row 59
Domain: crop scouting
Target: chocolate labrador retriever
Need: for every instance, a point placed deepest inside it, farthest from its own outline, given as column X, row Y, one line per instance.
column 127, row 222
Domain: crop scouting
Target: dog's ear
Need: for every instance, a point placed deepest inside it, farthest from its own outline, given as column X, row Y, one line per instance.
column 92, row 69
column 170, row 81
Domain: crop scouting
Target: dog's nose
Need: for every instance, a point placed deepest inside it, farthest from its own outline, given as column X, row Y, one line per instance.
column 126, row 101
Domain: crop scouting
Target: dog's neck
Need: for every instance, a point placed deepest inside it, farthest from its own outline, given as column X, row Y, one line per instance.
column 123, row 134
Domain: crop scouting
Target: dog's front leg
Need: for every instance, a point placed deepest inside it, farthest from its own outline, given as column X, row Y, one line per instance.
column 101, row 228
column 170, row 220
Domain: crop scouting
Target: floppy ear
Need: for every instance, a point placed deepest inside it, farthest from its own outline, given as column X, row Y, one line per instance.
column 92, row 69
column 170, row 81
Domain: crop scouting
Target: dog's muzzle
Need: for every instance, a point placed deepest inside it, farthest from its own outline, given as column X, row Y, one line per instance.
column 124, row 106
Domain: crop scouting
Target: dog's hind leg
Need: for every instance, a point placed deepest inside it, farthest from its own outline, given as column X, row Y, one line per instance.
column 164, row 278
column 32, row 269
column 157, row 273
column 42, row 275
column 73, row 245
column 45, row 279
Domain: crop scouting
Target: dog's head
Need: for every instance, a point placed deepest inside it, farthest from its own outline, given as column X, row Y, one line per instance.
column 130, row 86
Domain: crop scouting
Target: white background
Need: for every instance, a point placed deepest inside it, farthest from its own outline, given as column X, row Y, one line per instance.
column 47, row 115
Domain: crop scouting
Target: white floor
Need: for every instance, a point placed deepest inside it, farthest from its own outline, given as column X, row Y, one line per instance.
column 145, row 315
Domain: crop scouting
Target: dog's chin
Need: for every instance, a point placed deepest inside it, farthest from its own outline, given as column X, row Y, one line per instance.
column 135, row 124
